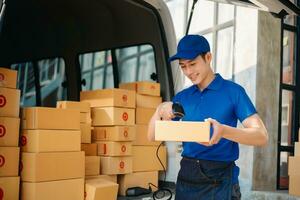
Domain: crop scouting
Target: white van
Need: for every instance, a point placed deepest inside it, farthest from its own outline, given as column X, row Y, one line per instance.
column 63, row 47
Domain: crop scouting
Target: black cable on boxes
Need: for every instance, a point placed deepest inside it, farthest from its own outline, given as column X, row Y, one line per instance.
column 161, row 192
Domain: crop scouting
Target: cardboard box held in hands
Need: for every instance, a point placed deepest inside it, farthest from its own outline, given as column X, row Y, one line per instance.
column 184, row 131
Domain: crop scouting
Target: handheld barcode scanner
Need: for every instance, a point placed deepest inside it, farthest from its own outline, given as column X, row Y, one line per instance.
column 178, row 110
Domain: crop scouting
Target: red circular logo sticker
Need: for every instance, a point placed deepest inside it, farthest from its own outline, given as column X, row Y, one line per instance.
column 23, row 140
column 124, row 97
column 125, row 133
column 125, row 116
column 2, row 161
column 2, row 130
column 2, row 101
column 2, row 77
column 123, row 148
column 1, row 194
column 122, row 164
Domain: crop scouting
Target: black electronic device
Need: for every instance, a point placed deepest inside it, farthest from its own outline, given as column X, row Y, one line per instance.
column 137, row 191
column 178, row 110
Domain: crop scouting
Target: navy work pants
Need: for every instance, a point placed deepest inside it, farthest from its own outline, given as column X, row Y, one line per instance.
column 207, row 180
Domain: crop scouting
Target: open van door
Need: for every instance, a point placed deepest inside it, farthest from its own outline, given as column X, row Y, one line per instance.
column 37, row 30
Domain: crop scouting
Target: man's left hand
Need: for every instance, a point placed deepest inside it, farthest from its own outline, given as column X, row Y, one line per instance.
column 217, row 131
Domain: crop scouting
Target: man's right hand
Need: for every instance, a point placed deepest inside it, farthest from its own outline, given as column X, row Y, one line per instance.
column 165, row 111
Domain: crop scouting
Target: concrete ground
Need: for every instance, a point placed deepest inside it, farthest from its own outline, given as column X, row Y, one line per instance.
column 251, row 195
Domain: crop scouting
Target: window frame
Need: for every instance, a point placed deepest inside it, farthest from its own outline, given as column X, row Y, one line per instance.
column 295, row 89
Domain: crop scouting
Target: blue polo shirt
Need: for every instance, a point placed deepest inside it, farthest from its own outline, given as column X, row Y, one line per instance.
column 224, row 101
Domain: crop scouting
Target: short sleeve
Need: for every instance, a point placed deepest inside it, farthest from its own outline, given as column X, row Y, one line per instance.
column 243, row 106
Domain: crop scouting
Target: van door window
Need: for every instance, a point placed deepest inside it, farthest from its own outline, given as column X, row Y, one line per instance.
column 134, row 63
column 51, row 73
column 96, row 70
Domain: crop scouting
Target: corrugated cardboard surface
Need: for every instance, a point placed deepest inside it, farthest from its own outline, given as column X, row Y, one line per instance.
column 50, row 118
column 101, row 189
column 9, row 131
column 9, row 161
column 112, row 178
column 182, row 131
column 50, row 140
column 294, row 165
column 112, row 116
column 144, row 101
column 9, row 187
column 86, row 133
column 144, row 158
column 109, row 97
column 52, row 166
column 143, row 115
column 85, row 118
column 115, row 133
column 294, row 183
column 116, row 165
column 137, row 179
column 141, row 137
column 92, row 165
column 90, row 149
column 72, row 189
column 8, row 78
column 142, row 87
column 83, row 107
column 9, row 102
column 114, row 148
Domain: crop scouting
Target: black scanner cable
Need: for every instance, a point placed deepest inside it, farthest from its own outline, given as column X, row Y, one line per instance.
column 179, row 113
column 161, row 192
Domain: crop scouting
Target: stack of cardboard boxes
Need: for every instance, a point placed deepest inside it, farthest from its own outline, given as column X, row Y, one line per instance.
column 85, row 117
column 113, row 117
column 9, row 135
column 52, row 165
column 145, row 163
column 92, row 161
column 293, row 170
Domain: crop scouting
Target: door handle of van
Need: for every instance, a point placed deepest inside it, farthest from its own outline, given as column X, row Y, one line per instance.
column 64, row 84
column 83, row 82
column 153, row 76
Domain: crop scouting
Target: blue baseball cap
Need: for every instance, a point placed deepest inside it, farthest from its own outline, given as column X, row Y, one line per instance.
column 190, row 46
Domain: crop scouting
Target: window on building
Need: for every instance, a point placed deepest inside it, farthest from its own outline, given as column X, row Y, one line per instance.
column 216, row 22
column 289, row 115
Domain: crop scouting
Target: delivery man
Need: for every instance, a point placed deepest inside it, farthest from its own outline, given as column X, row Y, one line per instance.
column 208, row 170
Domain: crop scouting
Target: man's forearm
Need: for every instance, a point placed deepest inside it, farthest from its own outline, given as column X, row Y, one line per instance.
column 248, row 136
